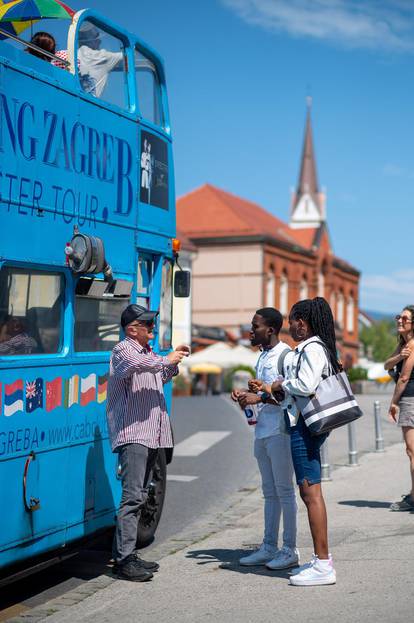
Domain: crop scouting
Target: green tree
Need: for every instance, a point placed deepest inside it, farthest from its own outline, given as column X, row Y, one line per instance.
column 379, row 340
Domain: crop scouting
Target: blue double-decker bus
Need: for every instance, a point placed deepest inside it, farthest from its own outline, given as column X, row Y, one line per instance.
column 87, row 225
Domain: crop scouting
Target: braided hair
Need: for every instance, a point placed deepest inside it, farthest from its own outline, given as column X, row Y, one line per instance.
column 409, row 308
column 317, row 313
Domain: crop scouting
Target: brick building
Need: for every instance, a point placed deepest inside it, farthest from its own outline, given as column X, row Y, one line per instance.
column 247, row 258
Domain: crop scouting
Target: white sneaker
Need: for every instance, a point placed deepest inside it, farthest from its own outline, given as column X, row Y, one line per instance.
column 318, row 572
column 285, row 558
column 264, row 554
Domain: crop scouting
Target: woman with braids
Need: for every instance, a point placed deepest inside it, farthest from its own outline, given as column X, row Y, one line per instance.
column 402, row 403
column 311, row 325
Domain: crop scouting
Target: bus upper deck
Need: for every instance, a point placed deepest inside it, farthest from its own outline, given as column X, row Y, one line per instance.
column 87, row 211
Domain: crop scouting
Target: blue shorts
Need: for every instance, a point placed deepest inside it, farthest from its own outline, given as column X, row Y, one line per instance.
column 306, row 454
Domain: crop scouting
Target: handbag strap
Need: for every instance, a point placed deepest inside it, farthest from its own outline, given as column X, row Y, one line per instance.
column 329, row 357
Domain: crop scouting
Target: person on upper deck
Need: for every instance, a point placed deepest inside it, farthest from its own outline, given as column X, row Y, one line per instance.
column 94, row 62
column 13, row 338
column 45, row 41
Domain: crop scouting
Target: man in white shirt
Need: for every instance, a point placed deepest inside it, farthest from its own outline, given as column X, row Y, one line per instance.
column 95, row 63
column 272, row 448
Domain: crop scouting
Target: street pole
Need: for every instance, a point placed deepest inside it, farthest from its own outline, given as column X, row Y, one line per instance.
column 325, row 467
column 379, row 439
column 352, row 446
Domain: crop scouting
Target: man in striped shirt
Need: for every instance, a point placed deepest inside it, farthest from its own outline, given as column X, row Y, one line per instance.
column 138, row 425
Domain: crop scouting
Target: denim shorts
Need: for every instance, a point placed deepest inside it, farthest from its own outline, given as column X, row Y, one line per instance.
column 306, row 454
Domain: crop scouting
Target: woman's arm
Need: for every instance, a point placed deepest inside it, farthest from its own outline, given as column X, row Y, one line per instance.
column 312, row 364
column 401, row 384
column 394, row 358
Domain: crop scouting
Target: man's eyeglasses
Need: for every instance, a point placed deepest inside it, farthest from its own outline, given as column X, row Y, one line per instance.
column 147, row 323
column 403, row 319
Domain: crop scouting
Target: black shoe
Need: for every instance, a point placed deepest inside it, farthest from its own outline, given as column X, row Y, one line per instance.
column 145, row 564
column 131, row 569
column 406, row 504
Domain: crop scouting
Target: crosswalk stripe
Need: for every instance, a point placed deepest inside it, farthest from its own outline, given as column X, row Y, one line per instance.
column 199, row 442
column 181, row 478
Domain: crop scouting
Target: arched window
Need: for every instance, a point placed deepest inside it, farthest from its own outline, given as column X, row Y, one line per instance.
column 303, row 289
column 321, row 284
column 340, row 309
column 284, row 294
column 333, row 304
column 350, row 314
column 270, row 288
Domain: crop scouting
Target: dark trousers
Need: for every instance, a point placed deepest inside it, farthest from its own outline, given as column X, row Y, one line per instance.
column 137, row 462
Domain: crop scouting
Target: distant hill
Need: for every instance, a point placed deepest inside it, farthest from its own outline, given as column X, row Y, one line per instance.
column 377, row 315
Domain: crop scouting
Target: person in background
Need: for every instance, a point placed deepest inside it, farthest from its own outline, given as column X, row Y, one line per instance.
column 94, row 62
column 311, row 325
column 402, row 403
column 272, row 448
column 46, row 42
column 138, row 425
column 14, row 340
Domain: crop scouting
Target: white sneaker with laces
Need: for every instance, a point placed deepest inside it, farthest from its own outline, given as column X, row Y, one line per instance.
column 264, row 554
column 285, row 558
column 317, row 573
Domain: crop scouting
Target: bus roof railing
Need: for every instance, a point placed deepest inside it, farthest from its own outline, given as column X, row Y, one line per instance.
column 32, row 46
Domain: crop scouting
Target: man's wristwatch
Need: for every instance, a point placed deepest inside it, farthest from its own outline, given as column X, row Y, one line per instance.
column 264, row 396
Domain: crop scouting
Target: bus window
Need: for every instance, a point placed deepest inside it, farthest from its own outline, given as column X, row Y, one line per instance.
column 144, row 280
column 97, row 317
column 148, row 86
column 30, row 311
column 102, row 65
column 165, row 334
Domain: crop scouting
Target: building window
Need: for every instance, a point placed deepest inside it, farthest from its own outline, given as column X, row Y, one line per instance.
column 303, row 289
column 350, row 314
column 284, row 294
column 340, row 310
column 270, row 289
column 321, row 284
column 333, row 304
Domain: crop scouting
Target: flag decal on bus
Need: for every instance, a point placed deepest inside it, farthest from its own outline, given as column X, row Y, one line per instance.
column 13, row 398
column 34, row 395
column 102, row 387
column 88, row 389
column 53, row 394
column 71, row 391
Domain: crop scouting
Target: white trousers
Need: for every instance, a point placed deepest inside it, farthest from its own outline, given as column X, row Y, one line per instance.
column 276, row 468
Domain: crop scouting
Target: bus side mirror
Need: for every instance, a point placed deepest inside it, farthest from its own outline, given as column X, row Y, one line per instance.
column 182, row 283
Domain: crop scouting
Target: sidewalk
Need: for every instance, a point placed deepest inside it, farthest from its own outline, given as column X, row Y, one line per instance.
column 373, row 550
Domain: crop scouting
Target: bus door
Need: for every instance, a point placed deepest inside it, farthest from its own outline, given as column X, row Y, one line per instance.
column 33, row 452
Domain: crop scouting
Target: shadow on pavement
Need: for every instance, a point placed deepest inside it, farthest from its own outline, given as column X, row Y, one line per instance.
column 365, row 503
column 228, row 559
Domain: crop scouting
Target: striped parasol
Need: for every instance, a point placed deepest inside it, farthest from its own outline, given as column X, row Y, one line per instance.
column 17, row 15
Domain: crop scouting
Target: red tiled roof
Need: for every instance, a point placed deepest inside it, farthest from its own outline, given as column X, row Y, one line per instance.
column 209, row 212
column 186, row 243
column 305, row 237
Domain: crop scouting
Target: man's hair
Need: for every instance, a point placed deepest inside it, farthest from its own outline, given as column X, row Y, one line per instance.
column 272, row 317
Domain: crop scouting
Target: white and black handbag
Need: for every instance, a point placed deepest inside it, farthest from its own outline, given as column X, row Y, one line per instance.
column 333, row 403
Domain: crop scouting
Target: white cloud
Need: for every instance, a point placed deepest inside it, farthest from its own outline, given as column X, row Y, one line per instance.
column 388, row 292
column 369, row 24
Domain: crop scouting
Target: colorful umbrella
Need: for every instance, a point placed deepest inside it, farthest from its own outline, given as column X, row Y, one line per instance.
column 17, row 15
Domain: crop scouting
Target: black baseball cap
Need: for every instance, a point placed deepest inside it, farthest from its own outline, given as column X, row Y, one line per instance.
column 137, row 312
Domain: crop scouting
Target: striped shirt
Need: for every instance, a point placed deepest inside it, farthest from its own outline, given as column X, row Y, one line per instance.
column 136, row 409
column 20, row 344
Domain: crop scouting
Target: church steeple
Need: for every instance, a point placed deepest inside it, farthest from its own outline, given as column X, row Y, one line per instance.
column 308, row 203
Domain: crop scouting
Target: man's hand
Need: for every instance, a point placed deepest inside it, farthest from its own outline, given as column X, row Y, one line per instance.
column 176, row 356
column 184, row 348
column 248, row 399
column 393, row 412
column 255, row 385
column 236, row 393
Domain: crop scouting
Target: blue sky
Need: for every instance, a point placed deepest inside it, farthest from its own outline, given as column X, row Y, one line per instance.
column 238, row 73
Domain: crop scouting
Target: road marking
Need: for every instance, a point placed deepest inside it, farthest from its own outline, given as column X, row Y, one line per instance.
column 179, row 478
column 199, row 442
